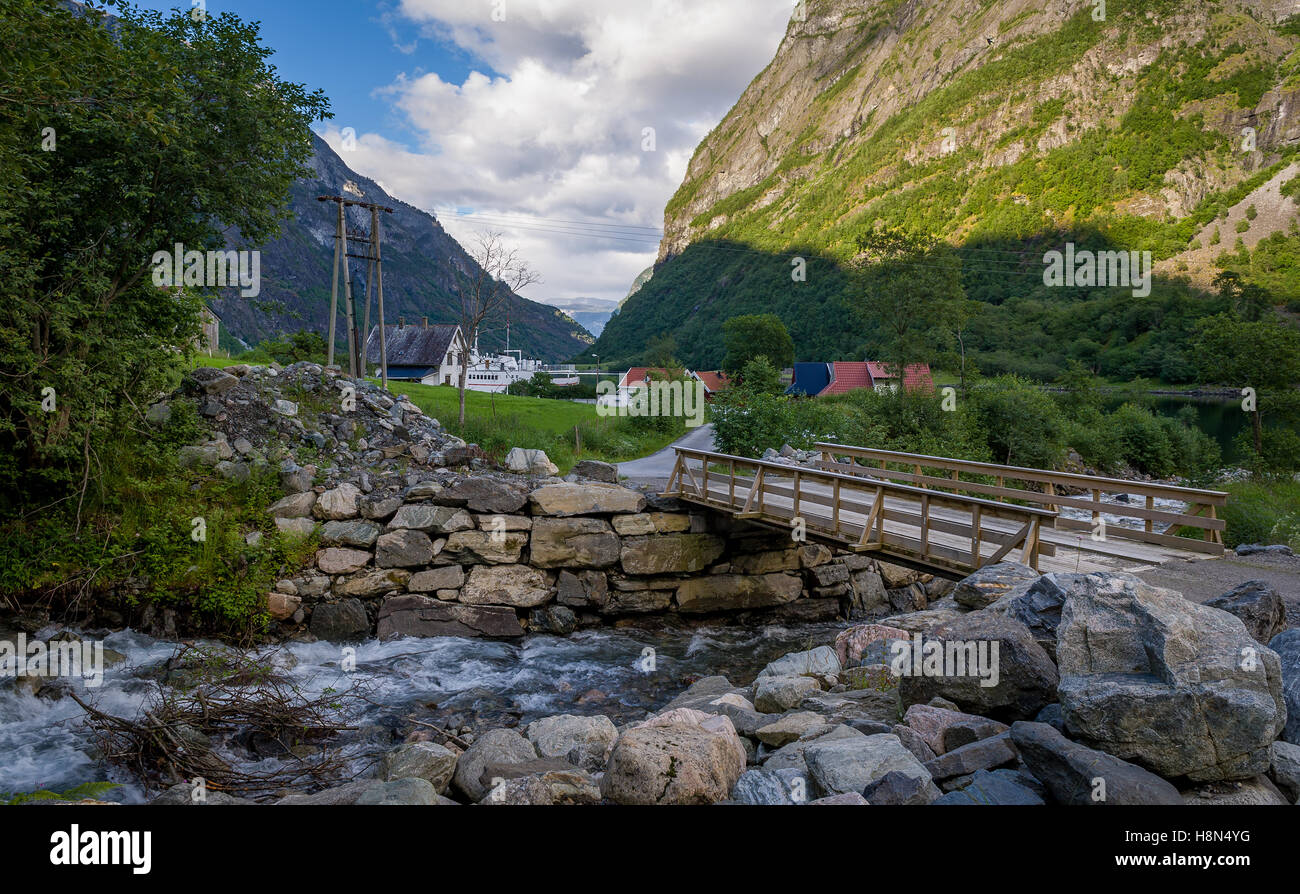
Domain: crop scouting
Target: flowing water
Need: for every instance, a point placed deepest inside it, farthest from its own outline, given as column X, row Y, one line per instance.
column 450, row 681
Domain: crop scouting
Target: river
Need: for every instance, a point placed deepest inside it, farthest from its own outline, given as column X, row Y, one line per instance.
column 450, row 681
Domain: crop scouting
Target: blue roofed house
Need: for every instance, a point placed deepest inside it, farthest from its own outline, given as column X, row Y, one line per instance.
column 810, row 379
column 430, row 355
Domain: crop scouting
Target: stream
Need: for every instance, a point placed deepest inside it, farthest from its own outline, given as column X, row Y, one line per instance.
column 453, row 682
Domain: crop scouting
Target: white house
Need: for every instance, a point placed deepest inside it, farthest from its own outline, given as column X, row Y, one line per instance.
column 430, row 355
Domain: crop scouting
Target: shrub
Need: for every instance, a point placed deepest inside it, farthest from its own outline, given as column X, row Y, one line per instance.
column 1023, row 424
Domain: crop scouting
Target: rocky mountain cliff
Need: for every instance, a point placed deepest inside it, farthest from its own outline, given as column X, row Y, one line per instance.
column 1007, row 127
column 419, row 257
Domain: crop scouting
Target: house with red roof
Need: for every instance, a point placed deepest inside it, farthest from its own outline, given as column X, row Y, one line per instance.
column 715, row 381
column 841, row 377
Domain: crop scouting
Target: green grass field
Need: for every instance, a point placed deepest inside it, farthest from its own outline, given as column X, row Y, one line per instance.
column 567, row 431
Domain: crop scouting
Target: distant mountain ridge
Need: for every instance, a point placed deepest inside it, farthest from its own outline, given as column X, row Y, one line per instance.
column 419, row 257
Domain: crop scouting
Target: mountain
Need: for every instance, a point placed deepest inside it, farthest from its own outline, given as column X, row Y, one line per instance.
column 591, row 313
column 418, row 254
column 1008, row 128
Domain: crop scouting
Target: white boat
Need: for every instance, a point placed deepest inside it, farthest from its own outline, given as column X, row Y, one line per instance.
column 497, row 372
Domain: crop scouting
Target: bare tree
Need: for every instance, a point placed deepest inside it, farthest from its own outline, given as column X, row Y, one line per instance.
column 499, row 272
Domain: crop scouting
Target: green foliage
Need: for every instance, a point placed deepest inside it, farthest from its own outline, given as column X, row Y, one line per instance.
column 1024, row 425
column 167, row 130
column 1263, row 512
column 753, row 335
column 138, row 524
column 746, row 424
column 287, row 349
column 758, row 376
column 87, row 791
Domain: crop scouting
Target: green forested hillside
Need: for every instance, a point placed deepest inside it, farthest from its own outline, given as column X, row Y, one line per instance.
column 1008, row 132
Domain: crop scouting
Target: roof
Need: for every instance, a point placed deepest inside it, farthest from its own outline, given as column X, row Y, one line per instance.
column 847, row 376
column 410, row 372
column 412, row 345
column 809, row 378
column 714, row 380
column 916, row 376
column 637, row 374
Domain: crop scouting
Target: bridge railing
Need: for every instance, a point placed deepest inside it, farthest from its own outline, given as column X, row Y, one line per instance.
column 938, row 530
column 1158, row 526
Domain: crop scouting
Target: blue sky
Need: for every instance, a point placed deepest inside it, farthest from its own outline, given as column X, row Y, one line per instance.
column 526, row 117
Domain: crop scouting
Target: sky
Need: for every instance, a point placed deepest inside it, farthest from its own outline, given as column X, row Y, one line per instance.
column 565, row 125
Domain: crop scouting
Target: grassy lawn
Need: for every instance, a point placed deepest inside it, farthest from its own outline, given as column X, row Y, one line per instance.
column 567, row 431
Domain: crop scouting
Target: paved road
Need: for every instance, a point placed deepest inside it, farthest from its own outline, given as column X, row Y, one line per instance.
column 658, row 467
column 1200, row 581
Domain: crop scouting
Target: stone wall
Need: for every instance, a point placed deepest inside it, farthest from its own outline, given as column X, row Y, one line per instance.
column 503, row 555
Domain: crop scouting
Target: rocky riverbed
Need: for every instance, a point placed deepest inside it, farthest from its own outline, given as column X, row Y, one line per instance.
column 1076, row 689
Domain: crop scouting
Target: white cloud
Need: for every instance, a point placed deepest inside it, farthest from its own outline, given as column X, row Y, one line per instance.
column 555, row 132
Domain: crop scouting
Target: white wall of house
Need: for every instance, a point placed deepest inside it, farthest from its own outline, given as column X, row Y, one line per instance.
column 448, row 372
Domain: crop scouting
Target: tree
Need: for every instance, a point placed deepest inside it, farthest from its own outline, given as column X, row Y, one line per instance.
column 1263, row 355
column 119, row 140
column 497, row 273
column 1249, row 300
column 759, row 376
column 753, row 335
column 957, row 315
column 905, row 284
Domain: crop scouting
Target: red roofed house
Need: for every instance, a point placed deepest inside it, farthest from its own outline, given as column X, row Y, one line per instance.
column 846, row 376
column 714, row 381
column 915, row 378
column 634, row 378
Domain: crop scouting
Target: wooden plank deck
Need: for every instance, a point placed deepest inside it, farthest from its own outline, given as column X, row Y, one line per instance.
column 944, row 532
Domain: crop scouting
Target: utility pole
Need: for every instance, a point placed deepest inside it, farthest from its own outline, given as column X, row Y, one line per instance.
column 357, row 340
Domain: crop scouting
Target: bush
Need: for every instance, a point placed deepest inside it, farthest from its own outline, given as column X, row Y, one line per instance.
column 1263, row 512
column 747, row 424
column 1023, row 424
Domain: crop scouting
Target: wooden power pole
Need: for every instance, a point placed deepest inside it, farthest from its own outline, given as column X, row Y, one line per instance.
column 374, row 282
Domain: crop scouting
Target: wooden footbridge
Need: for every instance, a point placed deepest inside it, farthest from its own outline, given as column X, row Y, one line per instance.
column 950, row 516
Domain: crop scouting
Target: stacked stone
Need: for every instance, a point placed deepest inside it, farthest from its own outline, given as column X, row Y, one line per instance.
column 497, row 556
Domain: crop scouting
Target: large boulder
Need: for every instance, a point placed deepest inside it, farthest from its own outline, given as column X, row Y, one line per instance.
column 770, row 787
column 516, row 585
column 558, row 736
column 850, row 644
column 896, row 788
column 674, row 759
column 821, row 661
column 340, row 560
column 362, row 534
column 846, row 765
column 1149, row 676
column 1259, row 606
column 726, row 592
column 584, row 499
column 429, row 518
column 1037, row 604
column 943, row 730
column 403, row 548
column 479, row 494
column 986, row 664
column 988, row 584
column 421, row 760
column 293, row 506
column 400, row 793
column 1002, row 788
column 496, row 746
column 1076, row 774
column 573, row 543
column 985, row 754
column 485, row 547
column 530, row 462
column 670, row 553
column 339, row 503
column 416, row 615
column 1287, row 647
column 773, row 694
column 344, row 621
column 596, row 471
